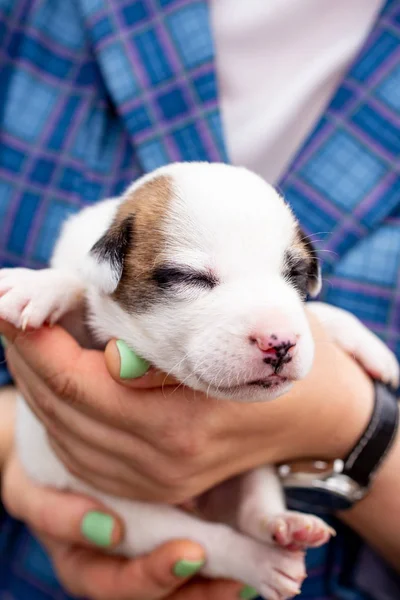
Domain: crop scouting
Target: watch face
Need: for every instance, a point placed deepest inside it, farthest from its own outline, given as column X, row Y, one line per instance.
column 318, row 499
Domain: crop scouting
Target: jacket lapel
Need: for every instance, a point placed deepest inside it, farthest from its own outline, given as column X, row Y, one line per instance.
column 345, row 180
column 158, row 67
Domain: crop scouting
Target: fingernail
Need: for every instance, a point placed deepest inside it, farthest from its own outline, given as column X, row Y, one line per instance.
column 3, row 341
column 248, row 593
column 131, row 365
column 186, row 568
column 98, row 528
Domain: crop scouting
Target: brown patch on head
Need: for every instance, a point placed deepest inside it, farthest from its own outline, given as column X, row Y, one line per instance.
column 134, row 243
column 149, row 205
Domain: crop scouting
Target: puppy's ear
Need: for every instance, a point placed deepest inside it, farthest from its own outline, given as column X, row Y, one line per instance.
column 314, row 283
column 302, row 268
column 106, row 259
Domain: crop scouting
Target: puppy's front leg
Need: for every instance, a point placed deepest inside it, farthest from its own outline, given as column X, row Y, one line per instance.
column 263, row 515
column 29, row 298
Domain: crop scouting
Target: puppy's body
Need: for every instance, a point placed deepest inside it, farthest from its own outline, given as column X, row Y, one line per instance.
column 202, row 269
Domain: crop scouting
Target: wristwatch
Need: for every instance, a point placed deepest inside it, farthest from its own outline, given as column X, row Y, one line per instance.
column 323, row 486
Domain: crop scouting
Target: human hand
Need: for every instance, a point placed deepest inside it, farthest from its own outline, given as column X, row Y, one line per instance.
column 170, row 444
column 75, row 530
column 7, row 421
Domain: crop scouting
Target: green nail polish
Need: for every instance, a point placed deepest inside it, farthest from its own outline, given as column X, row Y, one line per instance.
column 3, row 341
column 132, row 366
column 97, row 528
column 248, row 593
column 186, row 568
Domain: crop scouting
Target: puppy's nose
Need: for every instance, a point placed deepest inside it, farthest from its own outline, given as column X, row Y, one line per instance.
column 274, row 345
column 277, row 351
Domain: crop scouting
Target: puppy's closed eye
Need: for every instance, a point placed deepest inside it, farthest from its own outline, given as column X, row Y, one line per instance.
column 169, row 276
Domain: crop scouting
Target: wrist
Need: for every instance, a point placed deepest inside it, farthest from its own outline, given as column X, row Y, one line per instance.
column 328, row 486
column 375, row 516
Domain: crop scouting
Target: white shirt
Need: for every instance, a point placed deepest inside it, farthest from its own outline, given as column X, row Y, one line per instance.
column 278, row 64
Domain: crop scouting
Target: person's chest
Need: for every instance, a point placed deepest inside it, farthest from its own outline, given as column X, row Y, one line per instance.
column 278, row 64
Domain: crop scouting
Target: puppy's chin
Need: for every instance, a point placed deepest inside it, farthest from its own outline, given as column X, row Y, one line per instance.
column 254, row 392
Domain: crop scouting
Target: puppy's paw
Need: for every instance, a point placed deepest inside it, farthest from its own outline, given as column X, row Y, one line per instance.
column 376, row 358
column 298, row 531
column 283, row 579
column 30, row 298
column 357, row 340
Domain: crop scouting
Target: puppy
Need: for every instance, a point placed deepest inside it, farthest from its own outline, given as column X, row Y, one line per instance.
column 203, row 270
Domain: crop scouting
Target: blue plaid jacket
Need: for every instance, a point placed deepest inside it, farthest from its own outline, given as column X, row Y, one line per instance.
column 94, row 93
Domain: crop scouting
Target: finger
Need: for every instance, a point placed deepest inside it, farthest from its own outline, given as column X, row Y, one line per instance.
column 62, row 364
column 203, row 589
column 140, row 488
column 147, row 468
column 68, row 517
column 27, row 342
column 152, row 476
column 90, row 449
column 107, row 452
column 79, row 378
column 128, row 368
column 57, row 415
column 104, row 473
column 140, row 414
column 100, row 577
column 8, row 331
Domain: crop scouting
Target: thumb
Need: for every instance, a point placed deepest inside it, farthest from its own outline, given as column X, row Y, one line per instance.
column 69, row 518
column 128, row 368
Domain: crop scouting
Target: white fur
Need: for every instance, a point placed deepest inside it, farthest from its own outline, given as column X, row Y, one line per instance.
column 229, row 221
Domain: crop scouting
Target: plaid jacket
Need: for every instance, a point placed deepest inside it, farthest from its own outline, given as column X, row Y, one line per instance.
column 94, row 93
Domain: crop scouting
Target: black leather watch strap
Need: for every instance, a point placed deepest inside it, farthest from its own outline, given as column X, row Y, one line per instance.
column 373, row 445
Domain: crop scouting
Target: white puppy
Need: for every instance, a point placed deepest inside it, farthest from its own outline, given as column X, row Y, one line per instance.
column 202, row 269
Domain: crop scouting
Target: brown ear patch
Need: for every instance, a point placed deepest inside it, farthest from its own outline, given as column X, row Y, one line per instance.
column 302, row 266
column 149, row 205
